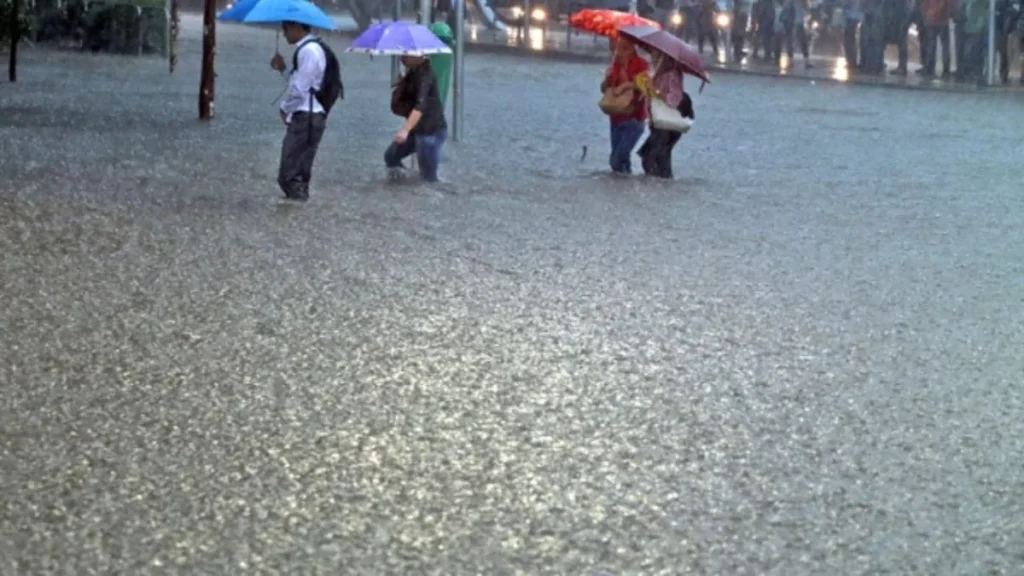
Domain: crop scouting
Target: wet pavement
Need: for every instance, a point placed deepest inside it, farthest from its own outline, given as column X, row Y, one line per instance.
column 800, row 357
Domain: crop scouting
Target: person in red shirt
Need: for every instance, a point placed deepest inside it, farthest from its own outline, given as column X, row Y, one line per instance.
column 626, row 129
column 937, row 14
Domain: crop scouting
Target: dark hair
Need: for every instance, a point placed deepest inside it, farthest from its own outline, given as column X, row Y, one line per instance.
column 305, row 27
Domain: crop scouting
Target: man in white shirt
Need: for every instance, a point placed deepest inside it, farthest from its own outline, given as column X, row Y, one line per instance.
column 302, row 114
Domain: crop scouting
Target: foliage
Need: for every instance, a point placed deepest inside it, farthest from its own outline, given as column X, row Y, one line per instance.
column 24, row 18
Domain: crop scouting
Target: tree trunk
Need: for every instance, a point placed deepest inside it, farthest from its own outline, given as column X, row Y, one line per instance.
column 172, row 41
column 15, row 30
column 209, row 50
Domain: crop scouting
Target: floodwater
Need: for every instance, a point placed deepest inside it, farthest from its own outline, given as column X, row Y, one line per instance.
column 802, row 356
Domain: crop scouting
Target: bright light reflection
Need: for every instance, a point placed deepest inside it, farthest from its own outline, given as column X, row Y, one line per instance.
column 536, row 38
column 784, row 64
column 474, row 31
column 721, row 57
column 841, row 72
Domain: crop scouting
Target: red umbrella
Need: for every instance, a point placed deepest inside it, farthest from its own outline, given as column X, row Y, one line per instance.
column 664, row 42
column 607, row 22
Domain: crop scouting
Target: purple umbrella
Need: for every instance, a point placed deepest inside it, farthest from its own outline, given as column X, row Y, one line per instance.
column 398, row 39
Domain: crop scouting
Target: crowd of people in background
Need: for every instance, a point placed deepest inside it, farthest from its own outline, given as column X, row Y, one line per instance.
column 957, row 27
column 771, row 28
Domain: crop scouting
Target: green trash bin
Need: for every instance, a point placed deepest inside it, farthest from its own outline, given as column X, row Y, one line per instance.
column 442, row 63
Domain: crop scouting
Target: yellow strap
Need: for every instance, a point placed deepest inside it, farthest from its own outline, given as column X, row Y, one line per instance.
column 644, row 84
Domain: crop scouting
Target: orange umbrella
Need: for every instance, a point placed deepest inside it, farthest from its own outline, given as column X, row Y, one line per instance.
column 607, row 22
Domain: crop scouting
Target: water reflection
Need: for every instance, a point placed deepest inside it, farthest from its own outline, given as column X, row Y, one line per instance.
column 536, row 36
column 784, row 64
column 841, row 72
column 474, row 32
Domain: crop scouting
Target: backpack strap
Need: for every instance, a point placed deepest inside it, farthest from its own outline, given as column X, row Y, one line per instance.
column 295, row 56
column 312, row 91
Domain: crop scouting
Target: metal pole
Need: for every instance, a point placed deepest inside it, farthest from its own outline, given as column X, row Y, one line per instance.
column 991, row 60
column 525, row 37
column 459, row 78
column 425, row 12
column 632, row 6
column 14, row 27
column 396, row 15
column 207, row 75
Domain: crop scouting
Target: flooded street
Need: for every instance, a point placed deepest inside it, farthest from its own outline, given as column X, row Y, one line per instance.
column 801, row 357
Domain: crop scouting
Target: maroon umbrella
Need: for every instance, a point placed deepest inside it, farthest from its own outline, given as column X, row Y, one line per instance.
column 669, row 45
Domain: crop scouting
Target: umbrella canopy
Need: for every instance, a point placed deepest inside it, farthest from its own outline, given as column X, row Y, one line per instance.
column 398, row 39
column 300, row 11
column 607, row 22
column 666, row 43
column 238, row 11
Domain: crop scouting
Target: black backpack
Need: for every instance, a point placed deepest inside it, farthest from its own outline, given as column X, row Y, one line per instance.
column 331, row 88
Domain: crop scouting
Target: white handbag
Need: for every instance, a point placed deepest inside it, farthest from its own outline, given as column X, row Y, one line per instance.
column 665, row 117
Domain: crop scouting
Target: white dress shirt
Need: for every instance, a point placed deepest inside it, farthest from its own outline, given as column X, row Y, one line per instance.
column 308, row 76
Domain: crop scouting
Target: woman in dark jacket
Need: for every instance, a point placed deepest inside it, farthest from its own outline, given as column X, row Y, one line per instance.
column 417, row 99
column 656, row 151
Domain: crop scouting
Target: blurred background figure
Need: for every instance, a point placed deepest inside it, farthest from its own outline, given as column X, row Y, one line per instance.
column 740, row 20
column 936, row 15
column 1007, row 15
column 852, row 17
column 764, row 16
column 895, row 27
column 706, row 26
column 793, row 15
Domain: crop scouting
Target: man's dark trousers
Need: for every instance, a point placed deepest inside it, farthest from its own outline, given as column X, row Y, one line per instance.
column 298, row 151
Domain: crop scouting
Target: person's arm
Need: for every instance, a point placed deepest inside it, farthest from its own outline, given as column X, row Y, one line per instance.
column 674, row 94
column 300, row 82
column 607, row 82
column 277, row 63
column 424, row 83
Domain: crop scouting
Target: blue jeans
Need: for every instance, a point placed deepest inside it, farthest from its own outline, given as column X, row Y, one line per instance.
column 625, row 135
column 427, row 148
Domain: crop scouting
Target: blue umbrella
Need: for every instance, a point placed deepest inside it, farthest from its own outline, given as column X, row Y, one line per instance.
column 300, row 11
column 238, row 11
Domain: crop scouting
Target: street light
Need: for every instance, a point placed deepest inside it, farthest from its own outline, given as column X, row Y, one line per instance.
column 723, row 20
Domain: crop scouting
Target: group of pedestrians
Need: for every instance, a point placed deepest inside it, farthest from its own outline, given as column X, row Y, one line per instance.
column 953, row 26
column 628, row 124
column 774, row 26
column 314, row 85
column 777, row 25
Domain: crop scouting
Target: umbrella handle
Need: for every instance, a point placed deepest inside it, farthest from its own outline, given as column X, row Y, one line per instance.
column 277, row 47
column 274, row 101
